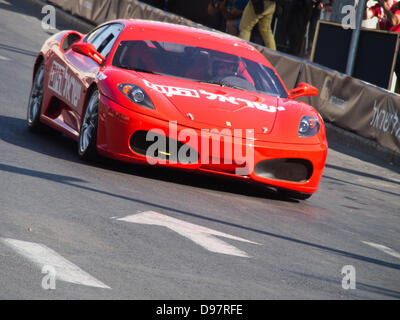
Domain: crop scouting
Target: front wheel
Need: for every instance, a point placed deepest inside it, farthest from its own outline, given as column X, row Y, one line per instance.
column 35, row 101
column 87, row 147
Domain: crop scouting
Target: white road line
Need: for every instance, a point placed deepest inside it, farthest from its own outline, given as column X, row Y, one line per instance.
column 4, row 58
column 204, row 237
column 384, row 249
column 41, row 256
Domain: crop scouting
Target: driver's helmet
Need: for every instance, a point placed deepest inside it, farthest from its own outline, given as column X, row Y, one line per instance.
column 224, row 64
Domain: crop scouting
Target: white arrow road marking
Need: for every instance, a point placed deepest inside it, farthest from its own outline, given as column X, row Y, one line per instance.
column 65, row 270
column 4, row 58
column 383, row 248
column 204, row 237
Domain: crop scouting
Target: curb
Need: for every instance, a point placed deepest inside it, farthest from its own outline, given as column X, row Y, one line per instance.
column 336, row 136
column 354, row 143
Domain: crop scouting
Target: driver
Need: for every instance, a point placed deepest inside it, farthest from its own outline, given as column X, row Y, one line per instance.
column 223, row 65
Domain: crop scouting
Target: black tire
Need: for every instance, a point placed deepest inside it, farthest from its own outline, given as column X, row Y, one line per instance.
column 87, row 145
column 294, row 194
column 36, row 101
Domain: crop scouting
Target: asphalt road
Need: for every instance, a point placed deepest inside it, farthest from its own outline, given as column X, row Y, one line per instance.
column 50, row 198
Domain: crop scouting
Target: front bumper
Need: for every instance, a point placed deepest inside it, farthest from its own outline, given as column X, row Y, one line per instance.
column 117, row 124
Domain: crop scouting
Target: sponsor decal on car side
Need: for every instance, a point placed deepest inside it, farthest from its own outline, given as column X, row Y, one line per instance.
column 64, row 83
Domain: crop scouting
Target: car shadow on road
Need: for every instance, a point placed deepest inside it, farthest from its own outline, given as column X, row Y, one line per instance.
column 78, row 183
column 51, row 143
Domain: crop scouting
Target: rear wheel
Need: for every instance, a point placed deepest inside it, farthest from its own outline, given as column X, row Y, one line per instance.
column 35, row 101
column 87, row 147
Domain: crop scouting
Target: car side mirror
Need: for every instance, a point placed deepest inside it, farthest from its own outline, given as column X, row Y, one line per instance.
column 303, row 89
column 89, row 50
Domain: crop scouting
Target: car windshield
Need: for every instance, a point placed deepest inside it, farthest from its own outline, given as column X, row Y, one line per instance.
column 198, row 64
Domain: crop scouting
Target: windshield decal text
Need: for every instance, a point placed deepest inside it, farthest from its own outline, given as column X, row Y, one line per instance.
column 192, row 93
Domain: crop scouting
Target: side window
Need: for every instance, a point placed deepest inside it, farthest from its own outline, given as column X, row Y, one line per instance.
column 95, row 34
column 112, row 34
column 104, row 38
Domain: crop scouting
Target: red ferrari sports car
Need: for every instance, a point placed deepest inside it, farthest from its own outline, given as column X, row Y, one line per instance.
column 169, row 95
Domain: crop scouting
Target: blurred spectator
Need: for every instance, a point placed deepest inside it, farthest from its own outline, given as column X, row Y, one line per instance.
column 233, row 15
column 327, row 10
column 388, row 13
column 369, row 23
column 230, row 11
column 261, row 12
column 218, row 21
column 317, row 9
column 301, row 12
column 384, row 11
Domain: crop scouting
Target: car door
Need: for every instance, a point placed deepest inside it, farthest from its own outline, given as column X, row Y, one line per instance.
column 81, row 70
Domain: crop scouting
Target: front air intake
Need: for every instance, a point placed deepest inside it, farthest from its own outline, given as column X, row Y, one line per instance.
column 159, row 146
column 296, row 170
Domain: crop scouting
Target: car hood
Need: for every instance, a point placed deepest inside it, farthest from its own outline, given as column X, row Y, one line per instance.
column 209, row 106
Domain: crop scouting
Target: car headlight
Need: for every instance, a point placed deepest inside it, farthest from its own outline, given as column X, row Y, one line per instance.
column 309, row 126
column 136, row 95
